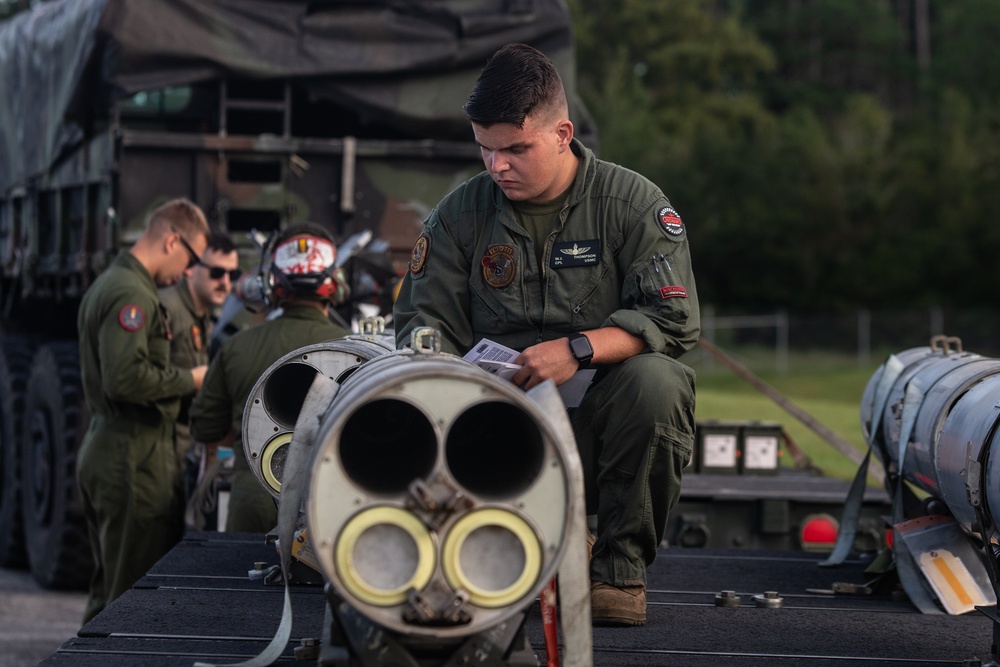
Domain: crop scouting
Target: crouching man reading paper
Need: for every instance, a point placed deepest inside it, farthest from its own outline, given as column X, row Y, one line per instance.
column 575, row 262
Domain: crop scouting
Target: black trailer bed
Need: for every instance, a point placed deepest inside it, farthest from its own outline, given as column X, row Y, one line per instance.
column 198, row 604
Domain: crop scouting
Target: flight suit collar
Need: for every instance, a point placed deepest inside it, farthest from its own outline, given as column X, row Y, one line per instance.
column 130, row 262
column 184, row 291
column 585, row 175
column 304, row 313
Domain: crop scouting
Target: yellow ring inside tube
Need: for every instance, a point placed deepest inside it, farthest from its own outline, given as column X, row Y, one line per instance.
column 451, row 557
column 267, row 454
column 383, row 516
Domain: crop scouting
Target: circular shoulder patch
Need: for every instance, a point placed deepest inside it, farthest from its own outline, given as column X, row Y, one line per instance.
column 418, row 256
column 669, row 221
column 498, row 264
column 132, row 317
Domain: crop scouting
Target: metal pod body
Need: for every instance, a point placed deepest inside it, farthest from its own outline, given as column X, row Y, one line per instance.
column 276, row 399
column 439, row 496
column 938, row 407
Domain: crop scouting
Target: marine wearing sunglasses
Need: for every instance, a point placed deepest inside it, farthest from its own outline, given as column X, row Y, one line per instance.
column 216, row 272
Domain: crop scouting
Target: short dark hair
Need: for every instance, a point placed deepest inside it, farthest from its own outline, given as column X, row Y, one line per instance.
column 220, row 242
column 518, row 80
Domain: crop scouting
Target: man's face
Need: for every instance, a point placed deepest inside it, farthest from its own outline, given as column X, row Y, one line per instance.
column 183, row 253
column 527, row 163
column 212, row 279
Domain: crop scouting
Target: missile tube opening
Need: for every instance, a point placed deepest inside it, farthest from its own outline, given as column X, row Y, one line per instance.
column 386, row 444
column 495, row 450
column 285, row 392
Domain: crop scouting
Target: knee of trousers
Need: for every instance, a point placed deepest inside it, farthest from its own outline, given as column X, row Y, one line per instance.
column 658, row 388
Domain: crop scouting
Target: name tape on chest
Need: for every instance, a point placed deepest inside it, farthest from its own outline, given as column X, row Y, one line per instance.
column 566, row 254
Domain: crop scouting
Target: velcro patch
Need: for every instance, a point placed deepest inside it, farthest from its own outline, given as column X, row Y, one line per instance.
column 498, row 265
column 196, row 339
column 576, row 253
column 670, row 222
column 673, row 292
column 418, row 256
column 132, row 317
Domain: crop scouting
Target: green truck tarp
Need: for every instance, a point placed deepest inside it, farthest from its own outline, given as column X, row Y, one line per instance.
column 65, row 63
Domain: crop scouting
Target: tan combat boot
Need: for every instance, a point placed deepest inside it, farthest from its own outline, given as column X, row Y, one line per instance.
column 615, row 606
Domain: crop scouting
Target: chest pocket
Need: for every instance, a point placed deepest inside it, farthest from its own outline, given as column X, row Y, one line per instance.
column 490, row 306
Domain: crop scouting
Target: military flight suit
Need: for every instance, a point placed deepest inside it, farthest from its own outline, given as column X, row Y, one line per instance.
column 126, row 463
column 231, row 377
column 188, row 348
column 618, row 257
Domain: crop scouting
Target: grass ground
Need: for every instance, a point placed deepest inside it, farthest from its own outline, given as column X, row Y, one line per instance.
column 827, row 386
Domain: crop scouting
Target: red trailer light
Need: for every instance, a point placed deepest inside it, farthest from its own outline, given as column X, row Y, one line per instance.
column 819, row 532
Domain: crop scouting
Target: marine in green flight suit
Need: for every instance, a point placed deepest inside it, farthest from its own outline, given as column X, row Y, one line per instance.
column 191, row 304
column 188, row 348
column 304, row 289
column 126, row 463
column 572, row 261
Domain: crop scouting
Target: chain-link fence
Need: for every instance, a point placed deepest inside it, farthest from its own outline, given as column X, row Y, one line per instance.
column 867, row 336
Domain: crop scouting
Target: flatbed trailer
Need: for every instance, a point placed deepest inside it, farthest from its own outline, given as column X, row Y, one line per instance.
column 198, row 604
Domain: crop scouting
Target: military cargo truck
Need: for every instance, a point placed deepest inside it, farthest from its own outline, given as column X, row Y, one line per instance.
column 264, row 113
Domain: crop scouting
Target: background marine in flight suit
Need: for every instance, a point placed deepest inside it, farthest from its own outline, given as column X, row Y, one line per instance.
column 301, row 274
column 126, row 466
column 192, row 304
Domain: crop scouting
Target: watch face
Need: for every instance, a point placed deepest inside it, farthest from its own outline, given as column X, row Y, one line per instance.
column 580, row 347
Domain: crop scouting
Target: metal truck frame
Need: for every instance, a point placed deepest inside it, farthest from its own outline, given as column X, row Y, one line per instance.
column 264, row 113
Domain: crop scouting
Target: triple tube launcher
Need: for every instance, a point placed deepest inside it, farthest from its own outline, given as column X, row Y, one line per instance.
column 437, row 500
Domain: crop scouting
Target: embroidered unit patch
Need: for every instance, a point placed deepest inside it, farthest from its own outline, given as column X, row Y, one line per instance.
column 498, row 265
column 669, row 221
column 196, row 339
column 418, row 256
column 673, row 292
column 131, row 317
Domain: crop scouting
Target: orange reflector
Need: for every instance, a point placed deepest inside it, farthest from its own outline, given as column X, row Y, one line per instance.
column 819, row 532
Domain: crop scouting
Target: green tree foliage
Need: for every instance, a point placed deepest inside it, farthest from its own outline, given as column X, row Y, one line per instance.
column 965, row 48
column 816, row 164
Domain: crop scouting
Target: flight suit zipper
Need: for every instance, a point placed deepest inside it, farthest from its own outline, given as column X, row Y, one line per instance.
column 586, row 299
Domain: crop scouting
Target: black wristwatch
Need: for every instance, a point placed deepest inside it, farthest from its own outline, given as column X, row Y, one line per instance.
column 580, row 348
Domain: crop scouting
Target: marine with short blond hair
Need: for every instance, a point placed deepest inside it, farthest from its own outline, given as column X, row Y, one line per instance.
column 126, row 464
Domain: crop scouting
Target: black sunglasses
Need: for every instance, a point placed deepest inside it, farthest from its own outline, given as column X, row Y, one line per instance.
column 216, row 272
column 194, row 259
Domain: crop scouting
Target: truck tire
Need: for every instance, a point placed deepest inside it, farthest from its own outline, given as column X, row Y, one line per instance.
column 15, row 359
column 55, row 419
